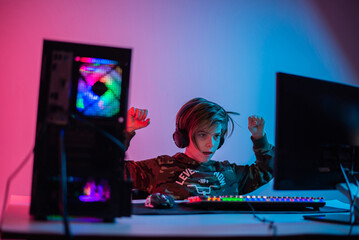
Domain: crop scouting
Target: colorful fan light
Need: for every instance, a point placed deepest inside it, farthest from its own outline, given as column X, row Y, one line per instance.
column 99, row 87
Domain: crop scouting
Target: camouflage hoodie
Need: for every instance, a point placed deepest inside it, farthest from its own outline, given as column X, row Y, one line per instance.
column 181, row 176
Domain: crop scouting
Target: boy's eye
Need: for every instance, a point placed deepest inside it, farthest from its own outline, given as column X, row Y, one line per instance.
column 201, row 135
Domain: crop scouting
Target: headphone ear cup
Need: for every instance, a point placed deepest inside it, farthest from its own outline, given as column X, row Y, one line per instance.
column 180, row 138
column 221, row 141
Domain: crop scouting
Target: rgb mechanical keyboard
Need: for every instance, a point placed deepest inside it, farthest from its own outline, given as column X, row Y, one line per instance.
column 240, row 202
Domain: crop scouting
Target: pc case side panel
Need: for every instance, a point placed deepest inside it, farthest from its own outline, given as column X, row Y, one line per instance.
column 96, row 185
column 53, row 112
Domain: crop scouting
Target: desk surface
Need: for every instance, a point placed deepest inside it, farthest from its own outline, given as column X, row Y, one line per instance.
column 19, row 224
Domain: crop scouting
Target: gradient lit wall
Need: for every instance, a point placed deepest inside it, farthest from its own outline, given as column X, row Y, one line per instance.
column 225, row 51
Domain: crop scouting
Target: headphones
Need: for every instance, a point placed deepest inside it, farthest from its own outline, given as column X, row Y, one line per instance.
column 181, row 136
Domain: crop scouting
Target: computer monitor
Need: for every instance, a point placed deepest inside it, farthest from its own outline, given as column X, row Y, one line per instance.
column 83, row 103
column 317, row 127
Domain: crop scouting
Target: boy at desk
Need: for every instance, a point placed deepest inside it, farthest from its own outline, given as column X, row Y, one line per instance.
column 201, row 128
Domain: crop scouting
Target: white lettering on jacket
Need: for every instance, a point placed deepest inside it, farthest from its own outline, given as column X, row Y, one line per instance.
column 220, row 177
column 185, row 175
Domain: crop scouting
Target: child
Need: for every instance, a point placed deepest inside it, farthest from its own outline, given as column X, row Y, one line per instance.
column 201, row 128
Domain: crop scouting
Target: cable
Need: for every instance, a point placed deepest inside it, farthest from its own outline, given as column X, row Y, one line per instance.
column 349, row 190
column 272, row 227
column 353, row 207
column 352, row 200
column 103, row 132
column 17, row 170
column 8, row 182
column 353, row 210
column 113, row 139
column 356, row 183
column 63, row 197
column 63, row 177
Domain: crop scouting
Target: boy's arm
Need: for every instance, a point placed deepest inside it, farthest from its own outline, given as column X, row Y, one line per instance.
column 251, row 177
column 256, row 126
column 136, row 119
column 143, row 173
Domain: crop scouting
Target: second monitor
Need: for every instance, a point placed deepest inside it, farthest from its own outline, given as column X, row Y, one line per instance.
column 317, row 129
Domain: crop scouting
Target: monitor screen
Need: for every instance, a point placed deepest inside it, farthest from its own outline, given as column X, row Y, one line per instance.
column 317, row 127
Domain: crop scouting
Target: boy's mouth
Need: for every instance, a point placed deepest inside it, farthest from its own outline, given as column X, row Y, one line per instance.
column 207, row 153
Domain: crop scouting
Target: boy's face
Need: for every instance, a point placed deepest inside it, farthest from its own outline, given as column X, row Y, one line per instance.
column 207, row 139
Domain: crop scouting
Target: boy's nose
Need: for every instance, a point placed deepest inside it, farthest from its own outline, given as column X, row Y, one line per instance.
column 210, row 141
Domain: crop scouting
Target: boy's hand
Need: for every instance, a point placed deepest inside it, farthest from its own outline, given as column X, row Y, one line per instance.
column 256, row 126
column 137, row 119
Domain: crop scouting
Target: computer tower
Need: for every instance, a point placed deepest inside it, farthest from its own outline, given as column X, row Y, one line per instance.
column 81, row 122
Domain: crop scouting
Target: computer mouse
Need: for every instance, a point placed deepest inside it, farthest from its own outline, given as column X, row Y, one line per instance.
column 159, row 200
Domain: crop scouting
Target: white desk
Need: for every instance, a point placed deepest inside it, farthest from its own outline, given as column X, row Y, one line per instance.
column 19, row 224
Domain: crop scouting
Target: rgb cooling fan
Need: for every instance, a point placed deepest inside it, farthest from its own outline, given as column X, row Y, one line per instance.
column 99, row 87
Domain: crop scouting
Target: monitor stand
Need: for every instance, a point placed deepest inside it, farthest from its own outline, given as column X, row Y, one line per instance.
column 342, row 218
